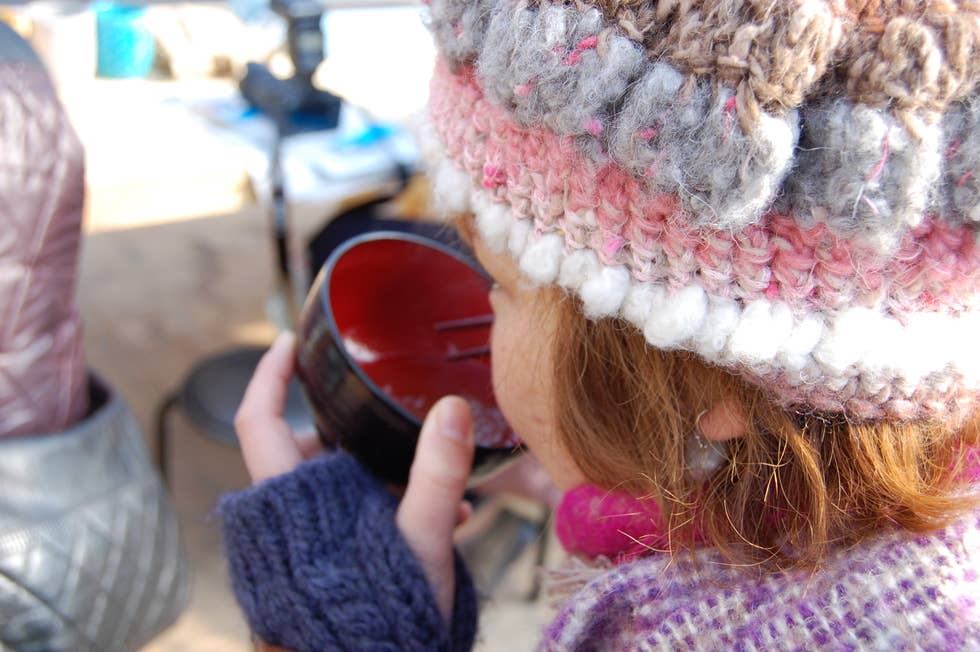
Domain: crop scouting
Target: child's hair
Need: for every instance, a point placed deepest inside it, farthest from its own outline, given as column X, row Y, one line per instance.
column 794, row 484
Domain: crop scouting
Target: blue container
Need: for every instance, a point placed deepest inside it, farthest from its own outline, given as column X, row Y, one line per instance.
column 126, row 47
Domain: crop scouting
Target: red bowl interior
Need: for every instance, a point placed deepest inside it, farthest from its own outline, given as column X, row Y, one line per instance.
column 386, row 296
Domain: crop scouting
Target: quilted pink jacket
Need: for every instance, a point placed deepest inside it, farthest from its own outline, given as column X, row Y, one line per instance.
column 42, row 367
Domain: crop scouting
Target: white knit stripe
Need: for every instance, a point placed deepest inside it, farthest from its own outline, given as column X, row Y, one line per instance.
column 449, row 195
column 856, row 344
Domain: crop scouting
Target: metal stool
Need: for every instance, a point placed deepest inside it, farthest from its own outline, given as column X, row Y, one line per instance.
column 210, row 396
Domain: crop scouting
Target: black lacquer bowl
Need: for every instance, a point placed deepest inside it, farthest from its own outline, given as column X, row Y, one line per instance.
column 393, row 322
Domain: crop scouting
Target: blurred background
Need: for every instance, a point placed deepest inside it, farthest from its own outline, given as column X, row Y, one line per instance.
column 196, row 242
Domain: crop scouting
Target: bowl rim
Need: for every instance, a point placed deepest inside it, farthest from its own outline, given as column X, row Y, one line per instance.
column 328, row 268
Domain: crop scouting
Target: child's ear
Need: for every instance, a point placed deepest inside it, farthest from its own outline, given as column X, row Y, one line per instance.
column 723, row 422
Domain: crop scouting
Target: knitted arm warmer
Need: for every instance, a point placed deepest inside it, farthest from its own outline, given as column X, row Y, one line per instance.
column 317, row 563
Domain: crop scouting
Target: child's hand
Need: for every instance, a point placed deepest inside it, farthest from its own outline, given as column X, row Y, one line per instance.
column 269, row 445
column 432, row 504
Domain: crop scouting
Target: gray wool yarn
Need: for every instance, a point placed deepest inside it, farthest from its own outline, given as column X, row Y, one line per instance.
column 655, row 102
column 685, row 138
column 732, row 176
column 861, row 171
column 962, row 148
column 459, row 28
column 525, row 68
column 686, row 141
column 509, row 34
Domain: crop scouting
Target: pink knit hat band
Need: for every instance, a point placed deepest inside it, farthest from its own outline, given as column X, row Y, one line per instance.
column 544, row 177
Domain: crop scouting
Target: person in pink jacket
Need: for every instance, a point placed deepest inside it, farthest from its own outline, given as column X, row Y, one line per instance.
column 43, row 379
column 90, row 552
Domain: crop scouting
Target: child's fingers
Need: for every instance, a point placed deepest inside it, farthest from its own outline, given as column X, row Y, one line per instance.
column 266, row 392
column 309, row 444
column 430, row 508
column 441, row 467
column 464, row 512
column 267, row 441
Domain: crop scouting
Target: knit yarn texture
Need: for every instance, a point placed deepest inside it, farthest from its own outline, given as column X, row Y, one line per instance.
column 317, row 564
column 789, row 189
column 896, row 592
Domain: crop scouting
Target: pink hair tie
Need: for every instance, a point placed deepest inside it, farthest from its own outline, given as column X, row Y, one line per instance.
column 593, row 522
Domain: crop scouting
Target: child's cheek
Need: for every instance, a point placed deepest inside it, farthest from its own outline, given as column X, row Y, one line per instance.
column 505, row 369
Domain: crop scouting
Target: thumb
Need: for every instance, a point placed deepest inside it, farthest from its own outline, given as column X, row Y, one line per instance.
column 429, row 510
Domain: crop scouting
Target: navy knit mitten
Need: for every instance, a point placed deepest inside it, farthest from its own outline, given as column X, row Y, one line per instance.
column 318, row 564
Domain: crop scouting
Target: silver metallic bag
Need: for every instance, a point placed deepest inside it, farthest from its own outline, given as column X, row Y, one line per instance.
column 90, row 553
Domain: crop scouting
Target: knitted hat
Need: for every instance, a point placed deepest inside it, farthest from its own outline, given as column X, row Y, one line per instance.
column 790, row 189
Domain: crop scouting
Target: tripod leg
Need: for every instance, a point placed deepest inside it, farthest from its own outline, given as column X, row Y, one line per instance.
column 162, row 437
column 539, row 557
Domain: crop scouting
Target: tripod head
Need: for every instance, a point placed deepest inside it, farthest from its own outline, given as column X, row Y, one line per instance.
column 295, row 104
column 304, row 36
